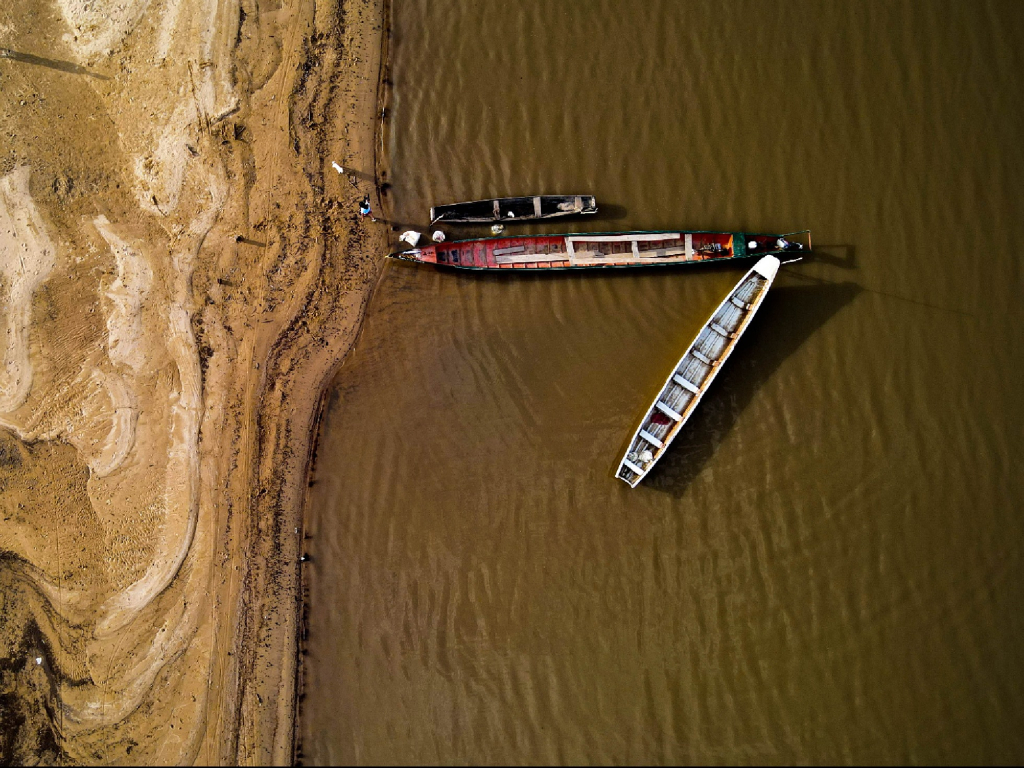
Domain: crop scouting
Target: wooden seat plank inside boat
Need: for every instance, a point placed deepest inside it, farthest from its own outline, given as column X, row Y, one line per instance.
column 736, row 302
column 510, row 249
column 632, row 466
column 720, row 330
column 703, row 358
column 651, row 439
column 668, row 411
column 685, row 384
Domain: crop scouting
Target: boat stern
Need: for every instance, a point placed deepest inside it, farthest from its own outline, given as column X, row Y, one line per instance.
column 767, row 267
column 629, row 475
column 426, row 255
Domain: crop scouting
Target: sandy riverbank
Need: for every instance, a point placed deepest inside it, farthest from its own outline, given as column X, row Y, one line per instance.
column 181, row 271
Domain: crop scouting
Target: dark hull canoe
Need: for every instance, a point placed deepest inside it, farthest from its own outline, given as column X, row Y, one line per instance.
column 608, row 250
column 512, row 209
column 693, row 374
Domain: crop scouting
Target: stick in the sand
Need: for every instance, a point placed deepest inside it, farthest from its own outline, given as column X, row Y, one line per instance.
column 351, row 177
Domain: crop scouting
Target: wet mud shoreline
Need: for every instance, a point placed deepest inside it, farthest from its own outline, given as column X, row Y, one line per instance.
column 182, row 273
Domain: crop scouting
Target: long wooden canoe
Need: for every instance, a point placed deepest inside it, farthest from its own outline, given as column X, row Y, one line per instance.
column 512, row 209
column 695, row 371
column 609, row 249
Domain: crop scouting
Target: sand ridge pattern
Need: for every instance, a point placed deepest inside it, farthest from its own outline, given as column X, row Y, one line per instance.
column 180, row 273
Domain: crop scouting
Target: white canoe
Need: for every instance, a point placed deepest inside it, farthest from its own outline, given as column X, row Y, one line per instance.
column 695, row 371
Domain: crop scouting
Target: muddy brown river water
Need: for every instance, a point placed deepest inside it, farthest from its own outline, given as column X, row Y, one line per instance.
column 826, row 565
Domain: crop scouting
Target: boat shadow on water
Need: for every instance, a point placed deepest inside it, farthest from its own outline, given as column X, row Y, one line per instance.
column 790, row 316
column 609, row 212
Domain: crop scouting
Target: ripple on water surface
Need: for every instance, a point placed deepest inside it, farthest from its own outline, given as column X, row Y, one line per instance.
column 820, row 567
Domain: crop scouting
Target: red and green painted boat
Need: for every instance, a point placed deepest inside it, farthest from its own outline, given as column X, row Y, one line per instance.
column 589, row 250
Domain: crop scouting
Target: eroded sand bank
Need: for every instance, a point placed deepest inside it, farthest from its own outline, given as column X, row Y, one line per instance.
column 180, row 272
